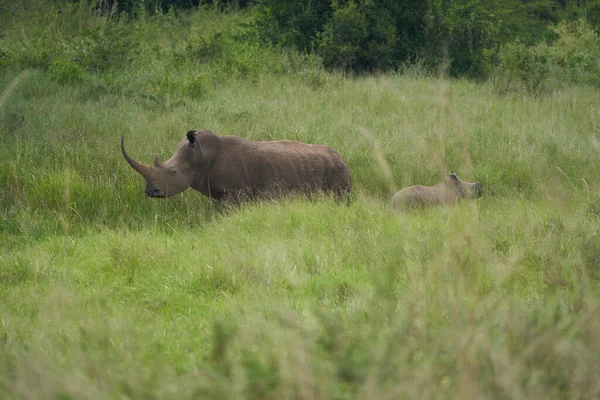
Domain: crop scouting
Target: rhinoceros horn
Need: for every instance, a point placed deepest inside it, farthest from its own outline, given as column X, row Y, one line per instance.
column 143, row 169
column 157, row 162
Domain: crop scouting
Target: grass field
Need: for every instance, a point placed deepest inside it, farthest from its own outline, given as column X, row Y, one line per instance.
column 105, row 293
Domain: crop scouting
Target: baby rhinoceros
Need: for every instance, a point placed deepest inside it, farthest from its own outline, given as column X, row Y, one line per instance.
column 447, row 192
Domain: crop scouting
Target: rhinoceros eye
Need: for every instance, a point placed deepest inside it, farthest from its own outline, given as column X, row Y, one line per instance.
column 172, row 172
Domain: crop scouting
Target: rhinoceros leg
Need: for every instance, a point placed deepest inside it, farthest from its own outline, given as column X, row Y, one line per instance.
column 230, row 200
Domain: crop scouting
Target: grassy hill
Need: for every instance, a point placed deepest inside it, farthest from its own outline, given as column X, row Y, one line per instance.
column 105, row 293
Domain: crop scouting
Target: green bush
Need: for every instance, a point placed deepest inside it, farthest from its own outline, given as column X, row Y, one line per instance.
column 293, row 24
column 343, row 36
column 577, row 51
column 232, row 50
column 5, row 60
column 66, row 71
column 56, row 36
column 463, row 34
column 367, row 35
column 352, row 35
column 528, row 67
column 573, row 58
column 358, row 38
column 107, row 44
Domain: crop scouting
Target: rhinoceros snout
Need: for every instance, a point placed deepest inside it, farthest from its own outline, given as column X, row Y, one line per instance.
column 153, row 191
column 478, row 189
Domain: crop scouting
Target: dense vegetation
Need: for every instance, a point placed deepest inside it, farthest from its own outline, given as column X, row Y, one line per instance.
column 366, row 35
column 105, row 293
column 534, row 46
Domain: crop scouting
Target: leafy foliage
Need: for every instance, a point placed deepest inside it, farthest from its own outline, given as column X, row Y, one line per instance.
column 361, row 38
column 466, row 33
column 69, row 38
column 462, row 37
column 577, row 51
column 574, row 57
column 355, row 35
column 133, row 7
column 367, row 35
column 529, row 66
column 75, row 43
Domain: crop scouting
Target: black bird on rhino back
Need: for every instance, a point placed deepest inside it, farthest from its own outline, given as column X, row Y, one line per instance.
column 230, row 169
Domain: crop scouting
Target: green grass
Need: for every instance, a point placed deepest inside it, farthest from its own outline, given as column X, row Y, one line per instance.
column 105, row 293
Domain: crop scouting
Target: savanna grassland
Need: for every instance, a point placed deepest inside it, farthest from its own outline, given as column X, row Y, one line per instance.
column 105, row 293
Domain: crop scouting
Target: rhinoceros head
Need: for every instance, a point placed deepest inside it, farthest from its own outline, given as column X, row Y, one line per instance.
column 173, row 176
column 469, row 190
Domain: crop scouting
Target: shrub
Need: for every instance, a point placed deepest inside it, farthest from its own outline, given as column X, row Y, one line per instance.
column 294, row 24
column 232, row 50
column 353, row 35
column 58, row 36
column 577, row 51
column 361, row 38
column 65, row 71
column 574, row 57
column 526, row 66
column 4, row 59
column 343, row 37
column 467, row 32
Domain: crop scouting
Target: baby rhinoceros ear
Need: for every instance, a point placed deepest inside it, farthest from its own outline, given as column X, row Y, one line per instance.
column 191, row 136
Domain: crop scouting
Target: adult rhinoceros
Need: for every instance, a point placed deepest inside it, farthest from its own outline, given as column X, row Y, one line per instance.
column 230, row 169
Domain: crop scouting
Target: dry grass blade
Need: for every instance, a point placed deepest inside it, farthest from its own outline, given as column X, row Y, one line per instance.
column 10, row 88
column 380, row 158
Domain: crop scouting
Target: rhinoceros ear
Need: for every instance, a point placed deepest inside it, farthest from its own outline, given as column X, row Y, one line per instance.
column 453, row 176
column 191, row 136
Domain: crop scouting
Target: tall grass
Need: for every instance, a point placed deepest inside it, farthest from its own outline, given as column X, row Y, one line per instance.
column 105, row 293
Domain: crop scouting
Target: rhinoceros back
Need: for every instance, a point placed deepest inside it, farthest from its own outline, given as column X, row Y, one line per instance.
column 279, row 166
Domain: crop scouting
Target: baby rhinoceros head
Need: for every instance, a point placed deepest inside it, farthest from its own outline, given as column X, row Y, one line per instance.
column 467, row 190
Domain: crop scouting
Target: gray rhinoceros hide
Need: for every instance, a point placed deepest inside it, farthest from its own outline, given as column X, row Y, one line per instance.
column 231, row 169
column 447, row 192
